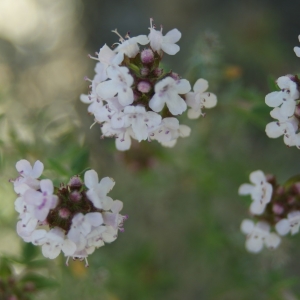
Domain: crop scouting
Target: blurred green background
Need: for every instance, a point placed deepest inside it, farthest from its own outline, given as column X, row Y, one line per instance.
column 182, row 238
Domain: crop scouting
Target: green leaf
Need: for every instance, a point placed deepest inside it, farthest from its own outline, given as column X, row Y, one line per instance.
column 29, row 252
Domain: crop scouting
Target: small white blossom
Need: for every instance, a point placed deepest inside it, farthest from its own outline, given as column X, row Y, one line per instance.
column 200, row 99
column 260, row 191
column 28, row 175
column 291, row 224
column 26, row 226
column 165, row 43
column 41, row 202
column 297, row 49
column 286, row 126
column 167, row 92
column 97, row 192
column 259, row 235
column 286, row 97
column 120, row 83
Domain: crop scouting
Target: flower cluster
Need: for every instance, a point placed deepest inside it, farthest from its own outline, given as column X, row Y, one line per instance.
column 286, row 109
column 75, row 218
column 274, row 206
column 131, row 96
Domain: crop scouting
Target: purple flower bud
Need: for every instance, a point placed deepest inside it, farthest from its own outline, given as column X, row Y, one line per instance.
column 75, row 182
column 144, row 71
column 277, row 209
column 64, row 213
column 75, row 196
column 147, row 56
column 158, row 72
column 144, row 87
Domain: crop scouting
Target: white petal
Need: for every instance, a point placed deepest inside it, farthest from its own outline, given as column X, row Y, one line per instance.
column 273, row 130
column 173, row 36
column 142, row 39
column 257, row 177
column 247, row 226
column 68, row 247
column 94, row 218
column 156, row 103
column 194, row 114
column 272, row 241
column 117, row 206
column 245, row 189
column 170, row 49
column 254, row 245
column 184, row 130
column 297, row 51
column 257, row 208
column 91, row 178
column 106, row 89
column 23, row 166
column 176, row 105
column 183, row 86
column 209, row 100
column 106, row 184
column 200, row 86
column 47, row 186
column 288, row 108
column 38, row 169
column 274, row 99
column 283, row 227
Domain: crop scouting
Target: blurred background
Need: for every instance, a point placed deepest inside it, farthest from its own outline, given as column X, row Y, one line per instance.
column 182, row 239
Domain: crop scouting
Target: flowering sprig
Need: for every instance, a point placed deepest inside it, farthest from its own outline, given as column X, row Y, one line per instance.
column 274, row 206
column 132, row 97
column 286, row 103
column 75, row 218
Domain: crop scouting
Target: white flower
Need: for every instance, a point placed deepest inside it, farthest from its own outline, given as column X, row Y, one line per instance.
column 26, row 226
column 286, row 126
column 106, row 112
column 260, row 191
column 130, row 47
column 167, row 91
column 120, row 83
column 200, row 99
column 41, row 202
column 165, row 43
column 98, row 190
column 28, row 176
column 291, row 224
column 297, row 49
column 259, row 235
column 53, row 242
column 123, row 135
column 168, row 132
column 138, row 118
column 287, row 96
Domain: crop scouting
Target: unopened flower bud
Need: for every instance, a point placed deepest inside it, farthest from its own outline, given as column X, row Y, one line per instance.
column 277, row 209
column 144, row 87
column 75, row 196
column 64, row 213
column 144, row 71
column 158, row 72
column 147, row 56
column 75, row 182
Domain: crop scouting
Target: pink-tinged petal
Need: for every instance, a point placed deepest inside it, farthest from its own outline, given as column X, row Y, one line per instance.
column 173, row 36
column 47, row 186
column 117, row 206
column 245, row 189
column 200, row 86
column 170, row 49
column 288, row 108
column 274, row 99
column 209, row 100
column 183, row 86
column 247, row 226
column 91, row 179
column 94, row 218
column 38, row 169
column 257, row 177
column 38, row 237
column 21, row 188
column 176, row 105
column 23, row 166
column 297, row 51
column 68, row 247
column 33, row 197
column 86, row 99
column 274, row 130
column 106, row 89
column 107, row 202
column 110, row 219
column 156, row 103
